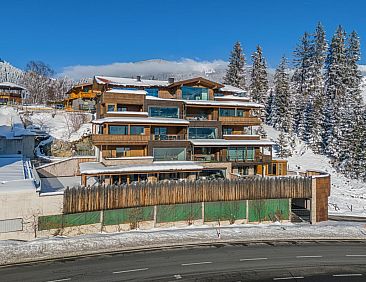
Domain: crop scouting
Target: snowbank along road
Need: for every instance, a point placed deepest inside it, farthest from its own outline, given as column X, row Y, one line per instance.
column 301, row 261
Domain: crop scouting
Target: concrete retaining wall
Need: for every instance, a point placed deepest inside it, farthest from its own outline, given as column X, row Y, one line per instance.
column 67, row 167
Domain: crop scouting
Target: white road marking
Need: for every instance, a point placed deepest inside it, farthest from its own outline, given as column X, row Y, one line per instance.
column 347, row 275
column 196, row 263
column 130, row 270
column 288, row 278
column 309, row 256
column 246, row 259
column 59, row 280
column 178, row 276
column 355, row 255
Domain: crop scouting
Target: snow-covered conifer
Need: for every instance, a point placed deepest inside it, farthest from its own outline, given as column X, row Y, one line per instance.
column 235, row 74
column 281, row 110
column 259, row 81
column 269, row 107
column 283, row 147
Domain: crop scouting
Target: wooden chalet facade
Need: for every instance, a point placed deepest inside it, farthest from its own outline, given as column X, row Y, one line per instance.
column 11, row 93
column 81, row 97
column 154, row 130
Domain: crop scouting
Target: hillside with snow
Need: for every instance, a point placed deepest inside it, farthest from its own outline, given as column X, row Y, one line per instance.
column 9, row 73
column 61, row 125
column 348, row 196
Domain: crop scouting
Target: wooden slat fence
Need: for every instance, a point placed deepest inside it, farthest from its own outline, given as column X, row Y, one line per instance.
column 82, row 199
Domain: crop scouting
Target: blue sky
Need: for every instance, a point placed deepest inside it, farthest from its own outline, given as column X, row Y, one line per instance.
column 66, row 33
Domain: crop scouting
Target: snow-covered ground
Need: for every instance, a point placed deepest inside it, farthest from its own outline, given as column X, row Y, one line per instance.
column 348, row 196
column 58, row 124
column 17, row 251
column 11, row 124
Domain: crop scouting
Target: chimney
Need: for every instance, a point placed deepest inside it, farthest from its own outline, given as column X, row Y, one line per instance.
column 171, row 80
column 138, row 78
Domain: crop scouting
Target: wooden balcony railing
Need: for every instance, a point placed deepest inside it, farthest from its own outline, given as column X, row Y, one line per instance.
column 167, row 137
column 240, row 120
column 85, row 95
column 221, row 158
column 106, row 139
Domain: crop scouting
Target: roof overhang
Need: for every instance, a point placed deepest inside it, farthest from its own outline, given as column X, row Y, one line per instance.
column 92, row 168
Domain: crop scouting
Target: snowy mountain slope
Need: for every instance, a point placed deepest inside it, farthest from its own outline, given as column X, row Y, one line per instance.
column 59, row 125
column 10, row 73
column 348, row 196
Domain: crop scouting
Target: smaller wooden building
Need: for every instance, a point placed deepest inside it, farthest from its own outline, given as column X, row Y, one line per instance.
column 11, row 93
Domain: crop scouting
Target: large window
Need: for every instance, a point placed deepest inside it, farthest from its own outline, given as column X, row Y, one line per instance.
column 226, row 112
column 122, row 152
column 160, row 133
column 169, row 154
column 240, row 153
column 152, row 92
column 121, row 108
column 202, row 133
column 163, row 112
column 137, row 130
column 194, row 93
column 118, row 129
column 227, row 131
column 110, row 108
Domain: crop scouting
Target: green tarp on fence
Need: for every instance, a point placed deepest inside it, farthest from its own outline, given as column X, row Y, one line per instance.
column 232, row 211
column 258, row 210
column 67, row 220
column 121, row 216
column 268, row 210
column 180, row 212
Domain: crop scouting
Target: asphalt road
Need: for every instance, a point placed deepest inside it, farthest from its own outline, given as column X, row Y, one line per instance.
column 307, row 261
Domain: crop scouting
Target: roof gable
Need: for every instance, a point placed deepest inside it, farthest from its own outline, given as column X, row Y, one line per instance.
column 197, row 80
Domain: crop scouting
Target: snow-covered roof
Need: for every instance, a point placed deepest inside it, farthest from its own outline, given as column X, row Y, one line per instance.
column 10, row 85
column 233, row 98
column 223, row 103
column 141, row 120
column 126, row 91
column 129, row 113
column 15, row 174
column 224, row 142
column 229, row 88
column 163, row 99
column 122, row 81
column 96, row 167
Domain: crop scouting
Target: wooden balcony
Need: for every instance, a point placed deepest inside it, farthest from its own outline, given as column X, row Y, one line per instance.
column 245, row 121
column 83, row 95
column 116, row 139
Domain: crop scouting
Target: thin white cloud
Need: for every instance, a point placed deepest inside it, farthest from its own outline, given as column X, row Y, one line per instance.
column 157, row 68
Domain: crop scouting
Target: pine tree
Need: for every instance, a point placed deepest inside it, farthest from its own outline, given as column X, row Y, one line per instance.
column 269, row 107
column 283, row 150
column 235, row 74
column 302, row 81
column 351, row 147
column 308, row 130
column 281, row 110
column 259, row 81
column 358, row 157
column 318, row 59
column 335, row 92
